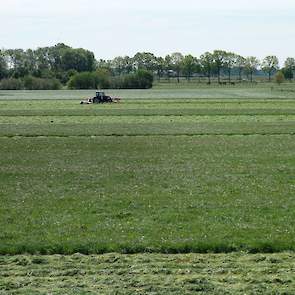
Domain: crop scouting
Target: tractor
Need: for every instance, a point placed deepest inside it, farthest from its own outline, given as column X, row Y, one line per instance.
column 100, row 97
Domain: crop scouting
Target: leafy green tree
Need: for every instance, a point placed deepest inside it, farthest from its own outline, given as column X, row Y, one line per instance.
column 122, row 65
column 189, row 66
column 240, row 65
column 219, row 61
column 230, row 62
column 160, row 67
column 118, row 65
column 176, row 63
column 3, row 65
column 269, row 65
column 145, row 61
column 104, row 64
column 17, row 60
column 289, row 68
column 288, row 73
column 290, row 63
column 206, row 63
column 80, row 60
column 251, row 65
column 168, row 65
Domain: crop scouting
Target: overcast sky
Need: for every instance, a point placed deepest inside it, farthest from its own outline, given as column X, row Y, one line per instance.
column 123, row 27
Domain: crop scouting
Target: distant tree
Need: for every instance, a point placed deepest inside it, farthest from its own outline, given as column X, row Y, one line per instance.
column 206, row 63
column 122, row 65
column 160, row 67
column 176, row 62
column 189, row 66
column 43, row 66
column 3, row 65
column 104, row 64
column 168, row 65
column 17, row 61
column 80, row 60
column 251, row 65
column 288, row 73
column 289, row 68
column 145, row 61
column 269, row 65
column 279, row 77
column 55, row 54
column 230, row 61
column 240, row 65
column 219, row 61
column 118, row 65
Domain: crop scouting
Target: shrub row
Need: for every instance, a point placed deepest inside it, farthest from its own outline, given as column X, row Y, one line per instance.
column 30, row 83
column 92, row 80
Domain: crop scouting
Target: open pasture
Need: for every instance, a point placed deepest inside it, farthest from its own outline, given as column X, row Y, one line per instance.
column 147, row 175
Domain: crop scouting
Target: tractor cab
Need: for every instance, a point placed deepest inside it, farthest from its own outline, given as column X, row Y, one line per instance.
column 100, row 94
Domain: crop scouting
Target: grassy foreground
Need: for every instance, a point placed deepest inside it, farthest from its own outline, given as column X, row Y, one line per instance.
column 148, row 274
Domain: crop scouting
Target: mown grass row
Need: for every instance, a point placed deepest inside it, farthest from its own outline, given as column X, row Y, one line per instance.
column 147, row 129
column 149, row 112
column 237, row 273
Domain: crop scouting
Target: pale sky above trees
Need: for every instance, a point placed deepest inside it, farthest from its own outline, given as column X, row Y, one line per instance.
column 115, row 27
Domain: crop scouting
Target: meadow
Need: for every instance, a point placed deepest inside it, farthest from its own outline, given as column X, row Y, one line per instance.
column 166, row 171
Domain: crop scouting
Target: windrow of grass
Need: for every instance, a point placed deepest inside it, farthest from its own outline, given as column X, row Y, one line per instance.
column 236, row 273
column 147, row 194
column 147, row 129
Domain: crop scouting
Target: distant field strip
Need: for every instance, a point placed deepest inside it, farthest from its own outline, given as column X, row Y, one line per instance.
column 68, row 118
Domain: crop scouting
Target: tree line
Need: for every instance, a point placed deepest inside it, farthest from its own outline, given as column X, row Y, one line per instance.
column 55, row 66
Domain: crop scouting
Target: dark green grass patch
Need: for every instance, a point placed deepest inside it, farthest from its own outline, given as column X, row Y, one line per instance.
column 147, row 194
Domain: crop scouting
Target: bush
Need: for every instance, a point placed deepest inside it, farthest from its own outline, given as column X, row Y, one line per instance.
column 101, row 79
column 140, row 80
column 279, row 77
column 85, row 80
column 32, row 83
column 11, row 84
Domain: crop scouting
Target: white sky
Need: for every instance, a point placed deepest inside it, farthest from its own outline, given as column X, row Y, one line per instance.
column 113, row 27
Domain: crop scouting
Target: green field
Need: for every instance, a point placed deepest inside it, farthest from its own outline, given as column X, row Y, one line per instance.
column 156, row 175
column 165, row 171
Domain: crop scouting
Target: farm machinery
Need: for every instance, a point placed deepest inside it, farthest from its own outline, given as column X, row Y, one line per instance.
column 100, row 97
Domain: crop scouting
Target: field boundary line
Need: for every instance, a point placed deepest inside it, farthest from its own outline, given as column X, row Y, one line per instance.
column 148, row 135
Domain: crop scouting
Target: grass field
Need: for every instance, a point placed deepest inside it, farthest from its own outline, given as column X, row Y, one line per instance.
column 165, row 171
